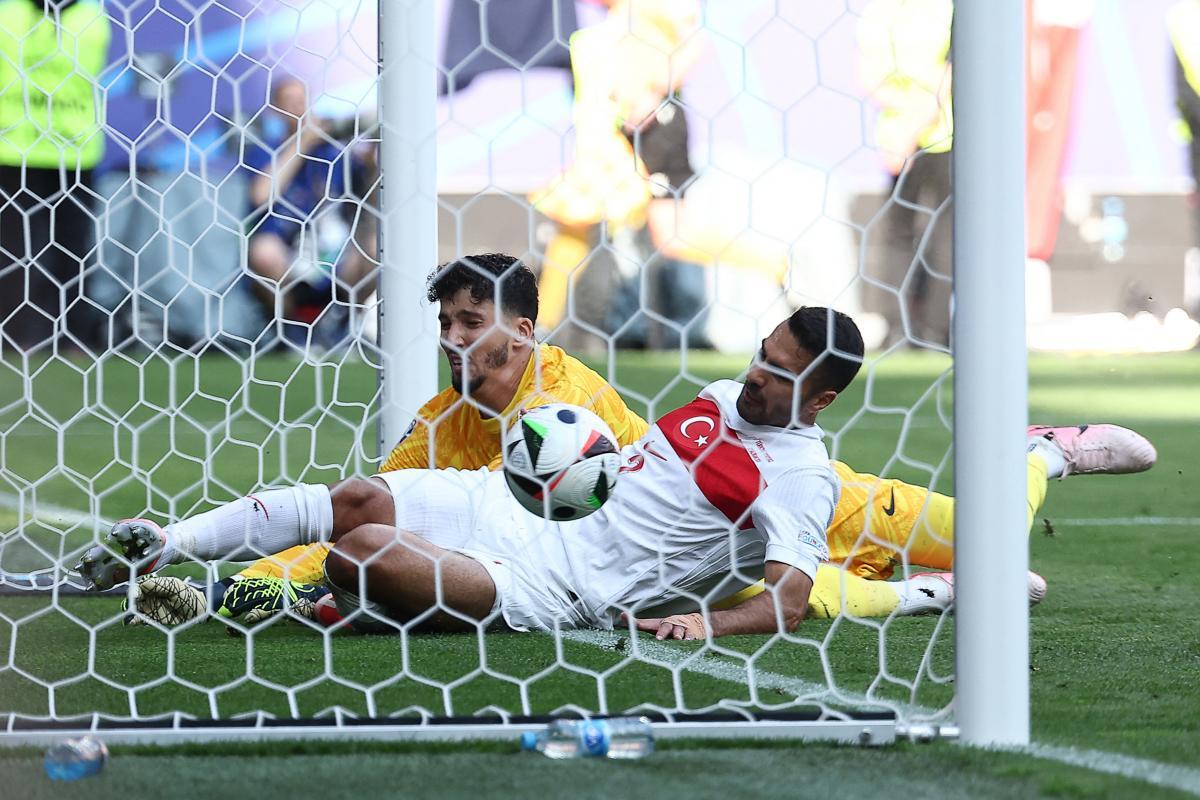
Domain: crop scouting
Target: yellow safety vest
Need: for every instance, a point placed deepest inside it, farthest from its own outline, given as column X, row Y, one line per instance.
column 1183, row 25
column 49, row 110
column 909, row 42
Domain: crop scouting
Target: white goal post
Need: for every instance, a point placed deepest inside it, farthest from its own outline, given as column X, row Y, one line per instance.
column 168, row 425
column 990, row 374
column 409, row 234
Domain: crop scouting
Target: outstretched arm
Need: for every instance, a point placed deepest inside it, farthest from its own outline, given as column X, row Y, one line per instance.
column 779, row 609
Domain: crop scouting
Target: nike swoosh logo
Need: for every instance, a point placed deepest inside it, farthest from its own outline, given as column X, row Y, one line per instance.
column 891, row 509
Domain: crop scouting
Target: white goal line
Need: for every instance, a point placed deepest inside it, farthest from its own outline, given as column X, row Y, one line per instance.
column 44, row 511
column 726, row 669
column 1127, row 522
column 1185, row 779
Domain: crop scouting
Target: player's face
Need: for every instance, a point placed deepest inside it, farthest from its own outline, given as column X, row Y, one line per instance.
column 773, row 393
column 475, row 343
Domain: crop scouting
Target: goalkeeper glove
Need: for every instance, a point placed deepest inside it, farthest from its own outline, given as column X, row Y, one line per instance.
column 165, row 600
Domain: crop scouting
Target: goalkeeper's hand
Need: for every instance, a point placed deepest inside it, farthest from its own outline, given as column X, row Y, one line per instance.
column 253, row 600
column 165, row 600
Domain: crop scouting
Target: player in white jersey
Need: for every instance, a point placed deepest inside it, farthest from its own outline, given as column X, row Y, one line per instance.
column 702, row 479
column 736, row 483
column 700, row 476
column 740, row 473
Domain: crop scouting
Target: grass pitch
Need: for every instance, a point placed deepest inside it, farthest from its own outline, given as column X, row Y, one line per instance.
column 1114, row 647
column 686, row 770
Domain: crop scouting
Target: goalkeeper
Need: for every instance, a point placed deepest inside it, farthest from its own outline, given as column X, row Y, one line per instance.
column 488, row 305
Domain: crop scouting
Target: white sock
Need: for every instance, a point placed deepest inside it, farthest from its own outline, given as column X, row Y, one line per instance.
column 1050, row 453
column 251, row 527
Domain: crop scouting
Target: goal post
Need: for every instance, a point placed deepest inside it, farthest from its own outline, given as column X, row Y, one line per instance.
column 990, row 375
column 408, row 200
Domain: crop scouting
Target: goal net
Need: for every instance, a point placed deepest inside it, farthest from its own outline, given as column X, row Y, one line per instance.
column 195, row 308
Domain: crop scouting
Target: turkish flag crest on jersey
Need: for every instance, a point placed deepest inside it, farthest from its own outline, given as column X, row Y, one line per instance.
column 719, row 463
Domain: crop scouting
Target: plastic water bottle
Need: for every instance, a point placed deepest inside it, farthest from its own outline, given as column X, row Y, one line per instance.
column 73, row 759
column 1114, row 229
column 621, row 737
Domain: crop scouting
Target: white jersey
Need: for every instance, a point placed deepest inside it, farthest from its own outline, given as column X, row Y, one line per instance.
column 702, row 494
column 703, row 497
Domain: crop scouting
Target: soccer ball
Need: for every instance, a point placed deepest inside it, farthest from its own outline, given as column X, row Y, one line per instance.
column 561, row 461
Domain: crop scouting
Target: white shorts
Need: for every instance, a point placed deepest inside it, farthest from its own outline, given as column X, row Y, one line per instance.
column 472, row 512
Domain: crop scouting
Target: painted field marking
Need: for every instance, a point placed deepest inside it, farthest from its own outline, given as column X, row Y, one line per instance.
column 47, row 512
column 1185, row 779
column 51, row 512
column 1127, row 522
column 725, row 669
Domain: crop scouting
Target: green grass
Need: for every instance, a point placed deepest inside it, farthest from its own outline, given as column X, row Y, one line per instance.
column 1114, row 648
column 684, row 769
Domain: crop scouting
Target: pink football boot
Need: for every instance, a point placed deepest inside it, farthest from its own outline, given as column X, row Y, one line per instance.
column 1099, row 449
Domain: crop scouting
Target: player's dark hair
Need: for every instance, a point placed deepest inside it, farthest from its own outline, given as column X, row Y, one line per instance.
column 834, row 341
column 504, row 280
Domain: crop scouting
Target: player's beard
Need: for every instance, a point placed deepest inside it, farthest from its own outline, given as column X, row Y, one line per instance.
column 492, row 360
column 753, row 409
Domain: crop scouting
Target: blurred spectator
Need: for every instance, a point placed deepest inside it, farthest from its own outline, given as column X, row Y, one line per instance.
column 904, row 61
column 631, row 171
column 298, row 174
column 168, row 266
column 358, row 270
column 1183, row 25
column 662, row 46
column 521, row 34
column 170, row 272
column 51, row 52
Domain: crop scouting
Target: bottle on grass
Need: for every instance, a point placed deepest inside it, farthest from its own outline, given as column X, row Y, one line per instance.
column 620, row 737
column 73, row 759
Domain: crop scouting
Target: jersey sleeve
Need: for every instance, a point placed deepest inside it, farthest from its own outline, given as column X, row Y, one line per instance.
column 793, row 513
column 628, row 426
column 412, row 451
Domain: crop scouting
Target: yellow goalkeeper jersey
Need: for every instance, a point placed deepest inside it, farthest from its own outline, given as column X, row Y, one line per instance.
column 450, row 432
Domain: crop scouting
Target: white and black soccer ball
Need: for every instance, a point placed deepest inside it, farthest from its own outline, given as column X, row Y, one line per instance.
column 561, row 461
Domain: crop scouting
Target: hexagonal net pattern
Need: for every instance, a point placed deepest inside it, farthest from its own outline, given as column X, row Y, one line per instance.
column 190, row 277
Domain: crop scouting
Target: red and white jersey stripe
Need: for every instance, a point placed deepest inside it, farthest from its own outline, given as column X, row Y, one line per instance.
column 702, row 494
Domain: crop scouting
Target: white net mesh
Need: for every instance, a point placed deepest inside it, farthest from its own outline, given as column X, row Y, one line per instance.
column 189, row 317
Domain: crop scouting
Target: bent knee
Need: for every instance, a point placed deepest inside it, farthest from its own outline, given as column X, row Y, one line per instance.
column 358, row 502
column 353, row 553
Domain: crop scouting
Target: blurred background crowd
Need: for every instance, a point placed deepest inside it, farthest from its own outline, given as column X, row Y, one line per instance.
column 188, row 173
